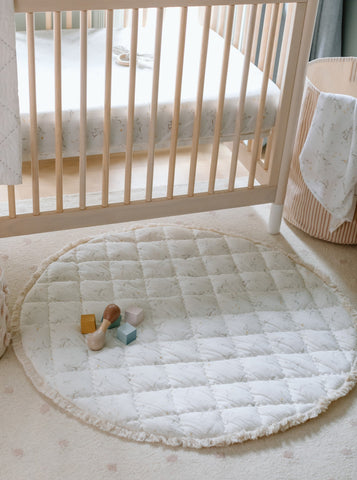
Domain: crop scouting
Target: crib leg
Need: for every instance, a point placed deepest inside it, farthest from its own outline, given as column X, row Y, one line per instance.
column 276, row 214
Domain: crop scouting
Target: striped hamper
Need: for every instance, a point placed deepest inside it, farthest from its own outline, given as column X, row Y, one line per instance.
column 4, row 315
column 334, row 75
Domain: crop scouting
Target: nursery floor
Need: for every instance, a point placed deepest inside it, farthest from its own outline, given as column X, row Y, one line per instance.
column 37, row 440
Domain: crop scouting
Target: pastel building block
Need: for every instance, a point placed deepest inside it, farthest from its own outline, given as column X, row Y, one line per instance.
column 126, row 333
column 134, row 315
column 88, row 323
column 114, row 324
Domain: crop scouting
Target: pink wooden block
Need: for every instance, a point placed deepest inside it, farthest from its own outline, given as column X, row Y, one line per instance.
column 134, row 315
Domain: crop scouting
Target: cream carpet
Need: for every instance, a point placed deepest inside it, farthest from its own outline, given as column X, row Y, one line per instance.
column 37, row 440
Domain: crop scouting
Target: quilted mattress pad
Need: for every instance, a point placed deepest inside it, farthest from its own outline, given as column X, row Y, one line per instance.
column 239, row 340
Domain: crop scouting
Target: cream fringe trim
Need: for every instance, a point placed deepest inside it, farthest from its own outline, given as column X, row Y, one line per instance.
column 187, row 442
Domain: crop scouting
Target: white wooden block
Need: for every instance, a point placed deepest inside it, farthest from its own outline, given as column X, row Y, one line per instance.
column 134, row 315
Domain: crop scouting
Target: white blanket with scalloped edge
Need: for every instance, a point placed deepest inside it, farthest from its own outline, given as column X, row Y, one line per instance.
column 238, row 340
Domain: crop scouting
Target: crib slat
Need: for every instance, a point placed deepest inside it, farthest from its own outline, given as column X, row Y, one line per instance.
column 69, row 17
column 154, row 101
column 222, row 20
column 11, row 200
column 48, row 20
column 58, row 111
column 131, row 105
column 107, row 107
column 242, row 96
column 238, row 25
column 256, row 34
column 125, row 17
column 222, row 89
column 284, row 43
column 268, row 149
column 145, row 17
column 83, row 113
column 276, row 39
column 259, row 121
column 33, row 113
column 214, row 18
column 264, row 39
column 245, row 30
column 177, row 101
column 89, row 19
column 199, row 100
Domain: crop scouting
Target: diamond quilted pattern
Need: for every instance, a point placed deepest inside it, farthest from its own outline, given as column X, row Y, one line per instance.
column 237, row 337
column 233, row 395
column 130, row 270
column 111, row 381
column 64, row 272
column 242, row 419
column 153, row 269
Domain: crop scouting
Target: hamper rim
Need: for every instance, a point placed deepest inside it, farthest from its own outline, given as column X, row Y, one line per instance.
column 332, row 59
column 325, row 60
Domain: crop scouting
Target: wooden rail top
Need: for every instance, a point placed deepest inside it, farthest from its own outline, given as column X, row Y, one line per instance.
column 67, row 5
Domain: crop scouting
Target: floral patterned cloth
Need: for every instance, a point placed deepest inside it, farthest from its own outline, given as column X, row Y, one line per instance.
column 328, row 160
column 143, row 90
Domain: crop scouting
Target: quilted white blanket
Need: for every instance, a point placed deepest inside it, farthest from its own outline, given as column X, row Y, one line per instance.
column 10, row 136
column 238, row 340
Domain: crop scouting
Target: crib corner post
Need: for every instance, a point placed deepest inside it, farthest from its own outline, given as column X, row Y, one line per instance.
column 276, row 215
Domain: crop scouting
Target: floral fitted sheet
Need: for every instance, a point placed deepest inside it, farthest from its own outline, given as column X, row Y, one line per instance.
column 120, row 89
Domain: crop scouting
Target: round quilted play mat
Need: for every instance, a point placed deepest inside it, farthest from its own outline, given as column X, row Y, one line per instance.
column 238, row 341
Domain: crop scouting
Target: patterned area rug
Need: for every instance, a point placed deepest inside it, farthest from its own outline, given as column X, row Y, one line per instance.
column 239, row 340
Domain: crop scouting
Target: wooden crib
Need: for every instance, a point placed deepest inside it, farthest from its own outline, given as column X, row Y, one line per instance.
column 272, row 40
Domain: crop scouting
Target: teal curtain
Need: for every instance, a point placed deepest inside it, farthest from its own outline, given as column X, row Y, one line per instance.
column 327, row 39
column 349, row 28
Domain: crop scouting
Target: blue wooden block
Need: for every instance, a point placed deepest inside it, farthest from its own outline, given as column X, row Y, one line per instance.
column 126, row 333
column 114, row 324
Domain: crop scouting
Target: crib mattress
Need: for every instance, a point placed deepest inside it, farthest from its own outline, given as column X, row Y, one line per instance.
column 120, row 89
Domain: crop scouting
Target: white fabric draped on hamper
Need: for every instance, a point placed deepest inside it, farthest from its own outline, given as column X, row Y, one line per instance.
column 328, row 160
column 336, row 76
column 10, row 136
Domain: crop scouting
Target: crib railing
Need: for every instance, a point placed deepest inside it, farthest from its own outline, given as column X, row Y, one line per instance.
column 71, row 19
column 70, row 23
column 273, row 34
